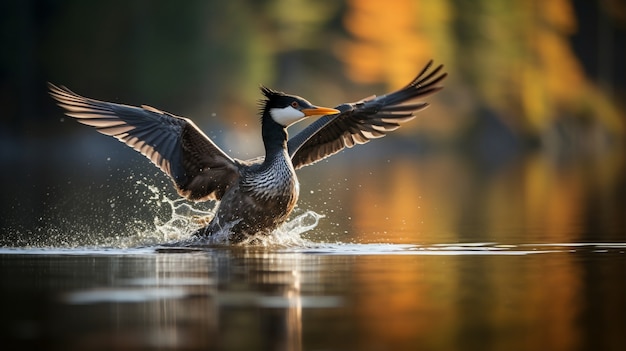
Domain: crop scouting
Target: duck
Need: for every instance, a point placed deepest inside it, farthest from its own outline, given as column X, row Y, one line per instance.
column 255, row 196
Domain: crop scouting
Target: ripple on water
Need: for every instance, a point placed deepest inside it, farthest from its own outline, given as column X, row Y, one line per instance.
column 461, row 249
column 305, row 247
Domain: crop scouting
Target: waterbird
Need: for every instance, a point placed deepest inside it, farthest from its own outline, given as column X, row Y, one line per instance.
column 255, row 196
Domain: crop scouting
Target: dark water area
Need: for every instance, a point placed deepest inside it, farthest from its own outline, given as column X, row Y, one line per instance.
column 327, row 296
column 387, row 250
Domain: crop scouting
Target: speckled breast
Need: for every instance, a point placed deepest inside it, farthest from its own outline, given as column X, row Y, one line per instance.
column 272, row 192
column 273, row 185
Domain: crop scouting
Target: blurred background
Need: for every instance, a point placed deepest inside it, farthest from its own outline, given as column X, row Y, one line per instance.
column 525, row 143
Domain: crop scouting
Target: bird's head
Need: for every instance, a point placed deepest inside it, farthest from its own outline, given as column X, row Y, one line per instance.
column 287, row 109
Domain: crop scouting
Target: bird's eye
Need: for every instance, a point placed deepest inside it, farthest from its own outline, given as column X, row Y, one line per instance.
column 295, row 104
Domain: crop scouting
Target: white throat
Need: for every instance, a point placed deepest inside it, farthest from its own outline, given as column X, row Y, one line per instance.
column 286, row 116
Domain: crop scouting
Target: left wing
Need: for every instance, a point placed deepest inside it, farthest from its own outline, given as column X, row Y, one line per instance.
column 361, row 121
column 199, row 168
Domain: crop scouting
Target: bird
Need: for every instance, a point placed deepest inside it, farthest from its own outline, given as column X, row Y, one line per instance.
column 255, row 196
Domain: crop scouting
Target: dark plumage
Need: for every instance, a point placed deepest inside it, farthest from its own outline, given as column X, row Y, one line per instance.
column 256, row 195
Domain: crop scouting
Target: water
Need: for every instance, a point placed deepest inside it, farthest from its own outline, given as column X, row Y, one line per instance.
column 328, row 296
column 386, row 254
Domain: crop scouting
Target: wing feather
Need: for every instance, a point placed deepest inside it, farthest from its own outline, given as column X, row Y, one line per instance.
column 200, row 170
column 361, row 121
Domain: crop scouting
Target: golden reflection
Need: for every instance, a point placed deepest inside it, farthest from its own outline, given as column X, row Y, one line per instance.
column 554, row 200
column 399, row 287
column 407, row 202
column 453, row 302
column 443, row 199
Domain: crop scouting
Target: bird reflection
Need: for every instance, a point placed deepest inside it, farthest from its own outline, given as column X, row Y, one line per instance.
column 242, row 297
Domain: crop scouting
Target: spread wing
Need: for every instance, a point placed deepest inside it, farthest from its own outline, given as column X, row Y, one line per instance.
column 199, row 169
column 361, row 121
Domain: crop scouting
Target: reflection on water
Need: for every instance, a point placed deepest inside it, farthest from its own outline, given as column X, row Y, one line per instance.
column 448, row 198
column 333, row 297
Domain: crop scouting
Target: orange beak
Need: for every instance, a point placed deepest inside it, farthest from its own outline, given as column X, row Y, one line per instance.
column 319, row 111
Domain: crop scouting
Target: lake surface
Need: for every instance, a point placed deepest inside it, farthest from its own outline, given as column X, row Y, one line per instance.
column 322, row 297
column 403, row 253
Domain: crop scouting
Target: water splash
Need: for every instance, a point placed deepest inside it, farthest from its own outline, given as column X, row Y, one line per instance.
column 290, row 233
column 183, row 218
column 174, row 219
column 186, row 218
column 173, row 222
column 287, row 235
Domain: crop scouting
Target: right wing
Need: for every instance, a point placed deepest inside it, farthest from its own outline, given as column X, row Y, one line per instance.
column 200, row 170
column 361, row 121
